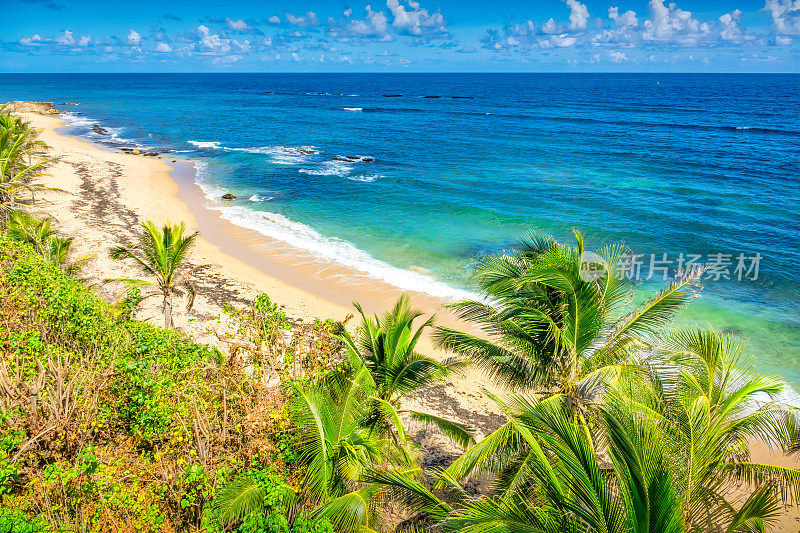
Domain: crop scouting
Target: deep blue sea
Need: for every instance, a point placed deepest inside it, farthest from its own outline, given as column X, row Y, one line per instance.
column 413, row 177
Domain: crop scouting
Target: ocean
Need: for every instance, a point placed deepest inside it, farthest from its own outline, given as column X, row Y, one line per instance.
column 413, row 177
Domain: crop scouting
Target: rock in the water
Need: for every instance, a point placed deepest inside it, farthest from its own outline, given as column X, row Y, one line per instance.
column 68, row 103
column 228, row 196
column 135, row 151
column 43, row 108
column 99, row 130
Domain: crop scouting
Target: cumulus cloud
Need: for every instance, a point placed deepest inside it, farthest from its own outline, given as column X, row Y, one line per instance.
column 785, row 16
column 414, row 20
column 238, row 26
column 309, row 19
column 672, row 24
column 32, row 40
column 65, row 38
column 84, row 40
column 163, row 48
column 274, row 19
column 134, row 39
column 578, row 15
column 627, row 19
column 373, row 27
column 618, row 57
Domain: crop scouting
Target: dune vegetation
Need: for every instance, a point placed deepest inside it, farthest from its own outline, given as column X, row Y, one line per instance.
column 613, row 420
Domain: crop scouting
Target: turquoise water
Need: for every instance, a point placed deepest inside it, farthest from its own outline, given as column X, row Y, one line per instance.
column 445, row 168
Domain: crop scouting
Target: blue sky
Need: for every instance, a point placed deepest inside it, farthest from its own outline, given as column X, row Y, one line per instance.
column 401, row 35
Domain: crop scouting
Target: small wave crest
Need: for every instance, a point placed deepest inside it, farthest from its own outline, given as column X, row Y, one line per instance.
column 306, row 238
column 206, row 144
column 353, row 108
column 260, row 198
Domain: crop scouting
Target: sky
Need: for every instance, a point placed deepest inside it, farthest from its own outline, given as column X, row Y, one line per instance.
column 401, row 35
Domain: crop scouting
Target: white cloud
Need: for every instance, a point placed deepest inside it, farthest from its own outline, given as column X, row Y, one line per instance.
column 550, row 27
column 374, row 27
column 84, row 40
column 625, row 19
column 782, row 40
column 309, row 19
column 730, row 26
column 237, row 25
column 32, row 40
column 274, row 19
column 65, row 38
column 578, row 15
column 296, row 57
column 134, row 38
column 416, row 21
column 618, row 57
column 785, row 15
column 672, row 24
column 212, row 43
column 163, row 48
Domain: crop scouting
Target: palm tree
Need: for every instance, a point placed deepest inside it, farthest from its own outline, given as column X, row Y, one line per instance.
column 547, row 328
column 44, row 238
column 703, row 405
column 385, row 346
column 336, row 450
column 162, row 254
column 17, row 167
column 711, row 405
column 566, row 481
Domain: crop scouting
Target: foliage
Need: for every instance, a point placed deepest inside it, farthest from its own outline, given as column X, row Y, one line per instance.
column 161, row 254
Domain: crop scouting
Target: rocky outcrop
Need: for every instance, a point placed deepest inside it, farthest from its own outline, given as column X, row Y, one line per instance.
column 99, row 130
column 228, row 196
column 43, row 108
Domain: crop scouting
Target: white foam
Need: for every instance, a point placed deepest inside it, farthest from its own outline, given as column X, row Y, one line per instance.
column 77, row 120
column 260, row 198
column 329, row 168
column 282, row 155
column 205, row 144
column 306, row 238
column 353, row 108
column 365, row 178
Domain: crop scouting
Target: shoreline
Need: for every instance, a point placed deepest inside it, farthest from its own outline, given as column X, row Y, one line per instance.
column 112, row 191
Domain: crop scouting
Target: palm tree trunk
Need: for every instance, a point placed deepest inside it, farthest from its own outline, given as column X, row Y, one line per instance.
column 168, row 309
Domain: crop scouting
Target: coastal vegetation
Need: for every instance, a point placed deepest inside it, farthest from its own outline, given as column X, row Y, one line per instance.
column 612, row 419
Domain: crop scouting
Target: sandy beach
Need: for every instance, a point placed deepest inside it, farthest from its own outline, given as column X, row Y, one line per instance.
column 106, row 193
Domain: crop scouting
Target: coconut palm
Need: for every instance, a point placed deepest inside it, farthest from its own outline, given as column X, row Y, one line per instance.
column 162, row 254
column 712, row 406
column 628, row 481
column 44, row 238
column 336, row 449
column 703, row 406
column 18, row 168
column 385, row 345
column 546, row 326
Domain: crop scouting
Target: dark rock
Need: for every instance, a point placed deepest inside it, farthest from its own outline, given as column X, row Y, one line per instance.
column 127, row 149
column 68, row 103
column 228, row 196
column 99, row 130
column 431, row 96
column 368, row 159
column 341, row 159
column 392, row 95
